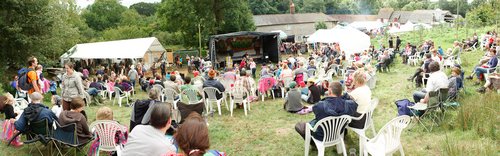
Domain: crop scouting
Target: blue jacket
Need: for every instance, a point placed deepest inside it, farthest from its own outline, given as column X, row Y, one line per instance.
column 45, row 113
column 493, row 62
column 214, row 83
column 330, row 106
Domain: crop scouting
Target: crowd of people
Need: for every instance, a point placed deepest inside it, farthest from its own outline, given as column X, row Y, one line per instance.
column 307, row 85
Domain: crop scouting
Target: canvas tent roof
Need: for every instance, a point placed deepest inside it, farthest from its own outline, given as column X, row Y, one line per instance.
column 131, row 48
column 350, row 39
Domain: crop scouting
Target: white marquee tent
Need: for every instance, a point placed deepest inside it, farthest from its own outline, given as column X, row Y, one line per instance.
column 119, row 49
column 350, row 39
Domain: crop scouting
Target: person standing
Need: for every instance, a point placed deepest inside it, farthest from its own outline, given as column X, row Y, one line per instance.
column 398, row 43
column 33, row 77
column 390, row 42
column 71, row 86
column 133, row 75
column 253, row 67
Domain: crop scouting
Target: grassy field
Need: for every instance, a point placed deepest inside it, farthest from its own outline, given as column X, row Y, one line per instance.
column 471, row 129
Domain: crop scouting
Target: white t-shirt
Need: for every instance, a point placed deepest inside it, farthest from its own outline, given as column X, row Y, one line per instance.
column 145, row 140
column 362, row 96
column 57, row 110
column 436, row 80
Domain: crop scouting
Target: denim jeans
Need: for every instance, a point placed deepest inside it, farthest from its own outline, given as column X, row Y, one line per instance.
column 93, row 91
column 418, row 95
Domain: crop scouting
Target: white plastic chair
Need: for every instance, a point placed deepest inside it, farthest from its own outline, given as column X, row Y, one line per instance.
column 286, row 84
column 106, row 130
column 192, row 96
column 211, row 92
column 388, row 140
column 88, row 98
column 413, row 59
column 108, row 91
column 20, row 104
column 226, row 82
column 169, row 97
column 368, row 123
column 238, row 96
column 333, row 128
column 120, row 95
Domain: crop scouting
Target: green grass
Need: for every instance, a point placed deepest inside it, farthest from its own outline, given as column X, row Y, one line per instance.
column 471, row 129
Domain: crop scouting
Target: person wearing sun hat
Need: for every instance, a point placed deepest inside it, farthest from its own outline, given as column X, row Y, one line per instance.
column 313, row 93
column 293, row 103
column 212, row 82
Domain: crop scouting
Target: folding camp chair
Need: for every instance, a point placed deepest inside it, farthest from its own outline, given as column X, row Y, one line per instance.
column 433, row 109
column 38, row 131
column 67, row 136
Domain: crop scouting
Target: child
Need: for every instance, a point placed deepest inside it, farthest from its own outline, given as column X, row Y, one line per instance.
column 56, row 102
column 6, row 106
column 105, row 113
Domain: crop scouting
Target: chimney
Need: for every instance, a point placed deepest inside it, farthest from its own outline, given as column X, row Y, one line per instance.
column 292, row 7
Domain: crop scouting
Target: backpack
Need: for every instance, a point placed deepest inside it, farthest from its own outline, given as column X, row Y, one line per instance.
column 23, row 81
column 402, row 106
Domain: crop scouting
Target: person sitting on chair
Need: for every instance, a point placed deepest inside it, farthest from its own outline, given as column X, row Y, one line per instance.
column 211, row 82
column 74, row 115
column 437, row 79
column 332, row 105
column 293, row 102
column 35, row 111
column 150, row 140
column 314, row 94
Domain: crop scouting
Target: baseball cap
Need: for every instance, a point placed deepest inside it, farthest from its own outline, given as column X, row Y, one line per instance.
column 292, row 84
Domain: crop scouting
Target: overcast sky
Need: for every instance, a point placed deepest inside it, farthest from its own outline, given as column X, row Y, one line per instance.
column 127, row 3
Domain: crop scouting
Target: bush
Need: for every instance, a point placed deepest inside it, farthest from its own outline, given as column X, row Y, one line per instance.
column 482, row 15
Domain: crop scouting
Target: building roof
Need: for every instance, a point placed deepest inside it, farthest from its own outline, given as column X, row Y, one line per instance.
column 422, row 17
column 349, row 18
column 279, row 19
column 402, row 16
column 385, row 13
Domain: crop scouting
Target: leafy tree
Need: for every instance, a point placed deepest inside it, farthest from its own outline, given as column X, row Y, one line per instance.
column 103, row 14
column 484, row 14
column 131, row 17
column 452, row 5
column 146, row 9
column 320, row 25
column 369, row 6
column 125, row 32
column 260, row 7
column 314, row 6
column 213, row 17
column 41, row 28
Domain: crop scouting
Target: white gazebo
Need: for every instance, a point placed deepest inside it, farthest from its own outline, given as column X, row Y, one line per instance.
column 148, row 49
column 350, row 39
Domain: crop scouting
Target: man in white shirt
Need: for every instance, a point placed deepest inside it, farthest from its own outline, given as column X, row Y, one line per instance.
column 437, row 79
column 149, row 140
